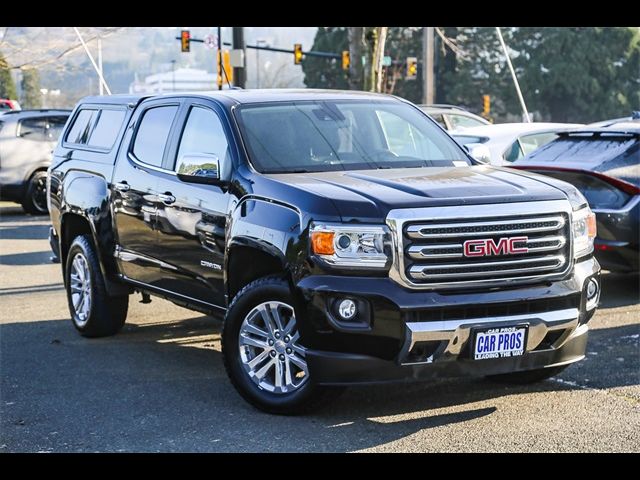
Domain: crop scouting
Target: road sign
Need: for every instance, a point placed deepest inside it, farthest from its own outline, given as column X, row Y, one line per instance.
column 386, row 61
column 210, row 42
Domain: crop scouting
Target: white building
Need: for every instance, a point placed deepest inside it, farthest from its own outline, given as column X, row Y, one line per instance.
column 180, row 80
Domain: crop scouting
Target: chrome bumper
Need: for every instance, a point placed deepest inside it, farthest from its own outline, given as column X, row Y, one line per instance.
column 455, row 334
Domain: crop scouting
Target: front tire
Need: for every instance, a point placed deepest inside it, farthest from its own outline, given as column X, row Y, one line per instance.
column 93, row 312
column 262, row 352
column 35, row 198
column 527, row 377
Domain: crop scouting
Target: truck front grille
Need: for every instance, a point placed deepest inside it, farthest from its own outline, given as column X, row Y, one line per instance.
column 433, row 251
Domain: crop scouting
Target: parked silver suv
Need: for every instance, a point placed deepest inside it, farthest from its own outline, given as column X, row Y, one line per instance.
column 27, row 139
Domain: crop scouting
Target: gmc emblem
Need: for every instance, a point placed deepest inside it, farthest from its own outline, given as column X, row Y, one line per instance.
column 486, row 247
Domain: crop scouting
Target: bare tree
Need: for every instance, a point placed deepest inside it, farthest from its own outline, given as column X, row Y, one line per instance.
column 378, row 55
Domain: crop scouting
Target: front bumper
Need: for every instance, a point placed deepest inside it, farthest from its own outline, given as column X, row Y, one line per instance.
column 417, row 335
column 330, row 368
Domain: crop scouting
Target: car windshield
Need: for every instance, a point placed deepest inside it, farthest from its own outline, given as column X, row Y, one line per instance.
column 317, row 136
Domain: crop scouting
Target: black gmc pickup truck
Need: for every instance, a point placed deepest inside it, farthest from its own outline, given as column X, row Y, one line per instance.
column 344, row 237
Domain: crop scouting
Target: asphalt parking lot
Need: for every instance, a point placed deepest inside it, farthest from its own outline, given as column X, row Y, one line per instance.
column 160, row 386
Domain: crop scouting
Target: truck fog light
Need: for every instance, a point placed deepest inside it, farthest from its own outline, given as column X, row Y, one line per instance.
column 593, row 290
column 347, row 309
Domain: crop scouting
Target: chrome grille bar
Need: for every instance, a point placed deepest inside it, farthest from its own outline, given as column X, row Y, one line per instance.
column 550, row 263
column 472, row 229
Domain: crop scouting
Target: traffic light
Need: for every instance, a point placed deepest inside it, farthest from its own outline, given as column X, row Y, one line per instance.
column 486, row 105
column 297, row 53
column 185, row 40
column 346, row 60
column 412, row 68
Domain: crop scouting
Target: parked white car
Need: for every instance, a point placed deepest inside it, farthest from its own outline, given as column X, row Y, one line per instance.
column 504, row 143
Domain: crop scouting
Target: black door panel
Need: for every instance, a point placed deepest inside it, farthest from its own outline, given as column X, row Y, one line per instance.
column 135, row 192
column 191, row 229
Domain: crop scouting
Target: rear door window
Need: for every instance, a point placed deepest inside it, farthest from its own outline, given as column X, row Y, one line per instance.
column 107, row 128
column 33, row 129
column 153, row 133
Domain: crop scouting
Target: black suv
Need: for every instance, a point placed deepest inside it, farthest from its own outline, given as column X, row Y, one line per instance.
column 344, row 237
column 27, row 139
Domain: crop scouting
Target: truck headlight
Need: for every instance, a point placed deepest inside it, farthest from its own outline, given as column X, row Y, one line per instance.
column 583, row 228
column 352, row 246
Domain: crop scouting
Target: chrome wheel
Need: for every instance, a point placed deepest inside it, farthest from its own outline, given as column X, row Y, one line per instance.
column 269, row 348
column 80, row 287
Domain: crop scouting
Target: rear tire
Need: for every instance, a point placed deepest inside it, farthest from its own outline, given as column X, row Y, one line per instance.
column 35, row 198
column 528, row 376
column 93, row 312
column 275, row 382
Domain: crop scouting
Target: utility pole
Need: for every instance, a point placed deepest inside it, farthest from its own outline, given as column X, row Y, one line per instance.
column 428, row 62
column 239, row 73
column 100, row 64
column 259, row 43
column 356, row 37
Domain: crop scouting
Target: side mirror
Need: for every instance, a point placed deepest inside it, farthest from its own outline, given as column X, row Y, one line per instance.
column 199, row 168
column 480, row 152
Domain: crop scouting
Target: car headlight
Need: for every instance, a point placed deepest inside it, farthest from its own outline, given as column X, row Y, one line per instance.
column 583, row 227
column 352, row 246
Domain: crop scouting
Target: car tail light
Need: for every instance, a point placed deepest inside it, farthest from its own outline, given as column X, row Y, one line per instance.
column 601, row 191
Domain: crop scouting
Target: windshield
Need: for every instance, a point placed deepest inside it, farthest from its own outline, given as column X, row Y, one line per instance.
column 318, row 136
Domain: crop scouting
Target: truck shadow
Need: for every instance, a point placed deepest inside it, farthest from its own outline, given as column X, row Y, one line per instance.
column 157, row 380
column 29, row 258
column 620, row 289
column 24, row 232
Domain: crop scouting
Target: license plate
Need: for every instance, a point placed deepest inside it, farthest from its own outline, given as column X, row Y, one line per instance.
column 500, row 342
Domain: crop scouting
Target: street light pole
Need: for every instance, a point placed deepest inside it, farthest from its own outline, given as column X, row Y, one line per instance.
column 259, row 43
column 100, row 64
column 173, row 75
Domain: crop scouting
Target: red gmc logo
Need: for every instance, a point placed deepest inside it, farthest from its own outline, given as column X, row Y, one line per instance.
column 486, row 247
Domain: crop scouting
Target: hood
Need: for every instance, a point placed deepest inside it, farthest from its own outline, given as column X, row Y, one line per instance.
column 369, row 195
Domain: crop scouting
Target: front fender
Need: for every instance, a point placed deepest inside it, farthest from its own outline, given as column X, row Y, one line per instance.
column 271, row 227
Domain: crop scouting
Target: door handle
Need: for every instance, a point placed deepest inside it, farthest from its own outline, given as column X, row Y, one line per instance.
column 167, row 198
column 122, row 187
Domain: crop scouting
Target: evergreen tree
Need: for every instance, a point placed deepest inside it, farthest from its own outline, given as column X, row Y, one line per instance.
column 31, row 97
column 7, row 87
column 322, row 72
